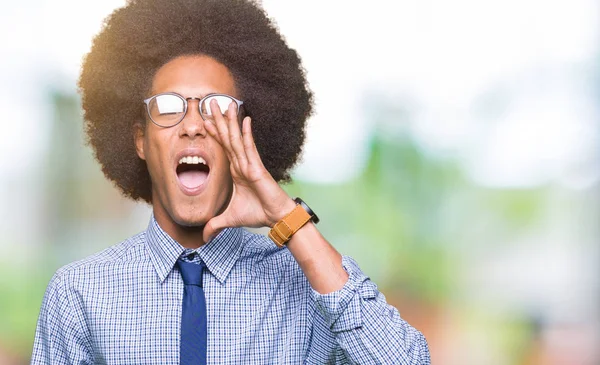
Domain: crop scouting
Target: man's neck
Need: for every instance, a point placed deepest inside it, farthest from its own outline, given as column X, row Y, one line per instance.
column 189, row 237
column 186, row 236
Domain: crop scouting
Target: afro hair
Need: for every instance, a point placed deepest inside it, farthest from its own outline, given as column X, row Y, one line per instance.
column 139, row 38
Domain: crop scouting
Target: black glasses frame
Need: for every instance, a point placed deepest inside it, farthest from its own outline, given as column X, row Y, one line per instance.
column 185, row 104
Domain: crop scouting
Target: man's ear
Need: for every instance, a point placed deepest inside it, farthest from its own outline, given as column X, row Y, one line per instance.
column 138, row 139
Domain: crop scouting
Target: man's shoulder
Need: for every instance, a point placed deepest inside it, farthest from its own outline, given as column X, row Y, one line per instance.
column 265, row 254
column 130, row 250
column 257, row 244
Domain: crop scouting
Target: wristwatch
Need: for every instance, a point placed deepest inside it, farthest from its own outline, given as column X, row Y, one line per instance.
column 283, row 230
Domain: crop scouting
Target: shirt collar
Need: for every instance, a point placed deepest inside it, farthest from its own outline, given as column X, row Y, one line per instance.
column 219, row 255
column 222, row 252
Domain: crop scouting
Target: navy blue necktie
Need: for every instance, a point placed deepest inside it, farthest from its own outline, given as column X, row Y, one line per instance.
column 193, row 315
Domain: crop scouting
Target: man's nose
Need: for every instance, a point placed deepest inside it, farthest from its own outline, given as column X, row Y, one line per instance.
column 192, row 123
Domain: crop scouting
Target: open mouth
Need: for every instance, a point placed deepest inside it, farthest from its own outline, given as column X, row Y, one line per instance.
column 192, row 171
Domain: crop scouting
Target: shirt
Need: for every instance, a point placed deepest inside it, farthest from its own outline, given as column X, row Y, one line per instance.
column 123, row 306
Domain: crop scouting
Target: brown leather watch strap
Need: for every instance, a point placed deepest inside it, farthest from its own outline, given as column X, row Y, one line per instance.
column 283, row 230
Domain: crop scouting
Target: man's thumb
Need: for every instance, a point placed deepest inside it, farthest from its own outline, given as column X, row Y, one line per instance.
column 212, row 228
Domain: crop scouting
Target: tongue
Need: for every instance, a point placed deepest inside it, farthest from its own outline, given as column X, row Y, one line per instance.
column 192, row 179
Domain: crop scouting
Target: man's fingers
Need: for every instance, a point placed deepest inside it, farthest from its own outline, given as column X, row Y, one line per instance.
column 212, row 129
column 222, row 130
column 212, row 228
column 235, row 134
column 248, row 140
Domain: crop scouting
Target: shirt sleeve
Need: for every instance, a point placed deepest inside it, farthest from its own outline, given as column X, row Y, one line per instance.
column 368, row 330
column 60, row 337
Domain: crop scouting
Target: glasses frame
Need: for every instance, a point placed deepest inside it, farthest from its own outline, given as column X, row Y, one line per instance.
column 185, row 104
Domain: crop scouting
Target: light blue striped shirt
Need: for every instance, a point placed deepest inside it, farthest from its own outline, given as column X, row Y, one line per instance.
column 123, row 306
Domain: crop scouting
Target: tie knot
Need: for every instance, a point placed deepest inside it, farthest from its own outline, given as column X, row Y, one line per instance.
column 190, row 272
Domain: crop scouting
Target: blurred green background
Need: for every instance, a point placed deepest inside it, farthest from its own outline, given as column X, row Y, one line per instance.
column 454, row 154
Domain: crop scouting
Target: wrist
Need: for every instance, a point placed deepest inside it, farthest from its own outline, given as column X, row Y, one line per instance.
column 285, row 207
column 293, row 221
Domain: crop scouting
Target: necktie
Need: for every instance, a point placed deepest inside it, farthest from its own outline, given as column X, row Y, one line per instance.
column 193, row 315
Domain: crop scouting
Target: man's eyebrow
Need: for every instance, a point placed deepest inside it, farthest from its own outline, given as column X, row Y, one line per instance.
column 200, row 96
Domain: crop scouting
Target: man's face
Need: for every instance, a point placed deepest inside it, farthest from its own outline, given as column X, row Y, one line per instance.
column 187, row 195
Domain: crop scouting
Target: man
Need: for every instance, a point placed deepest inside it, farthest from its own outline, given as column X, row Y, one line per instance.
column 175, row 94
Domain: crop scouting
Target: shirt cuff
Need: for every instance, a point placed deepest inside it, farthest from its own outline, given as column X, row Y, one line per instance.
column 342, row 309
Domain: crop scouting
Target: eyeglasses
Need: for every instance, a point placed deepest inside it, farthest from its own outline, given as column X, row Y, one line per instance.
column 168, row 109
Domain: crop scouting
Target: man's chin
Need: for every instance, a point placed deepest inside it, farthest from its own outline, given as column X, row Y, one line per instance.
column 192, row 224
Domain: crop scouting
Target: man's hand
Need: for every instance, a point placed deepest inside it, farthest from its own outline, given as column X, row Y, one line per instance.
column 257, row 200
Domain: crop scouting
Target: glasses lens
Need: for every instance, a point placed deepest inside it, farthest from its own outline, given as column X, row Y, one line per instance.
column 223, row 102
column 166, row 110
